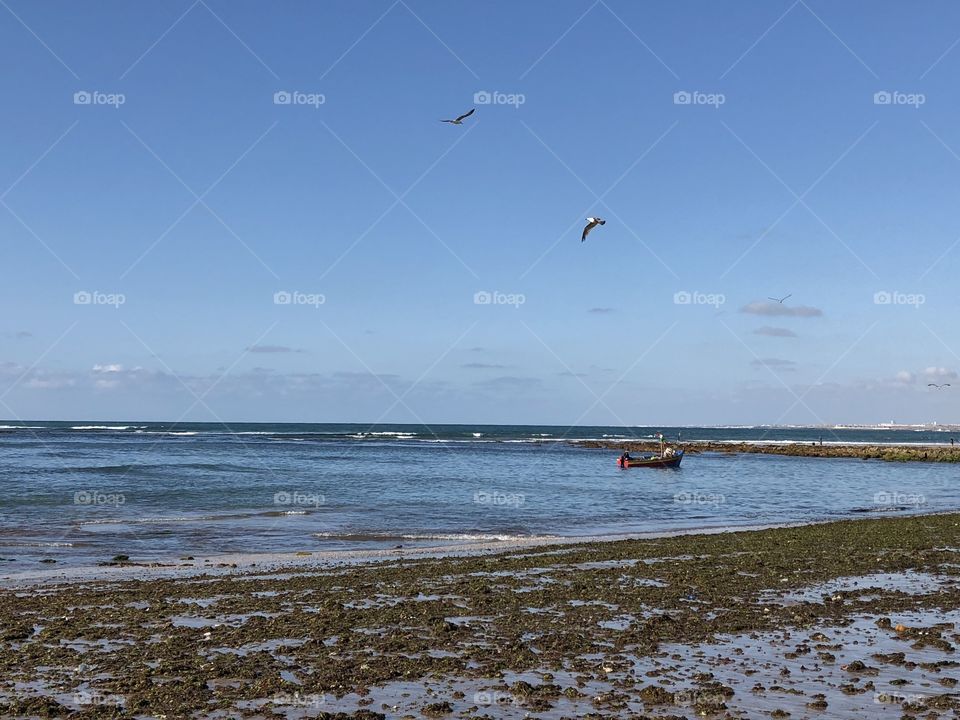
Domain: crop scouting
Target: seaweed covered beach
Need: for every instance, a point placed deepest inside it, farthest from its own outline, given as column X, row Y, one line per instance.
column 855, row 618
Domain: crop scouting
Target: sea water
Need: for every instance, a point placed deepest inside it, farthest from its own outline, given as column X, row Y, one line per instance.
column 83, row 492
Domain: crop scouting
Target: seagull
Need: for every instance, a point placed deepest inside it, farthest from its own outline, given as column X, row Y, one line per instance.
column 591, row 224
column 780, row 300
column 938, row 387
column 459, row 120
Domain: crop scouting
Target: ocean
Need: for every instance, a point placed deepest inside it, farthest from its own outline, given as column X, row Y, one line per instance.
column 82, row 492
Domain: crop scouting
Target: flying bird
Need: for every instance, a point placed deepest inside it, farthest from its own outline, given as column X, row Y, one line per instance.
column 938, row 387
column 591, row 224
column 780, row 300
column 459, row 120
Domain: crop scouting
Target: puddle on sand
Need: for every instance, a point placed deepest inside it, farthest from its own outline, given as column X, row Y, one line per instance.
column 600, row 565
column 103, row 645
column 192, row 621
column 270, row 646
column 909, row 582
column 383, row 601
column 786, row 670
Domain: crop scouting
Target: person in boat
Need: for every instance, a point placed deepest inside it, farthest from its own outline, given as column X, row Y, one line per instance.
column 625, row 458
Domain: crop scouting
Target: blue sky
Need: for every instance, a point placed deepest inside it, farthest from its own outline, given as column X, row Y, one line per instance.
column 184, row 190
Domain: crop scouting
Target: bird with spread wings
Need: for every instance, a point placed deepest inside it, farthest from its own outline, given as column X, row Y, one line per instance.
column 459, row 120
column 592, row 222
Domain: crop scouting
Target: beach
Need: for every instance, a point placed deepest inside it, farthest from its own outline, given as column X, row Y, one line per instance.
column 335, row 571
column 839, row 619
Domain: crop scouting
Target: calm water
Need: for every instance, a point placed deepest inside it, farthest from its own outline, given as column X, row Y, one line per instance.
column 83, row 492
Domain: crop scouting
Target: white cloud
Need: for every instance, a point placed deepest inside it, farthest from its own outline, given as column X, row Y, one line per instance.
column 904, row 377
column 939, row 373
column 113, row 368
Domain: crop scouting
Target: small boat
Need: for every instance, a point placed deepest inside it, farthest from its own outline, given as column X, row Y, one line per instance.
column 654, row 461
column 667, row 458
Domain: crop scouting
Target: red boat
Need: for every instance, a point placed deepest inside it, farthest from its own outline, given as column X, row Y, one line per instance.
column 654, row 461
column 668, row 458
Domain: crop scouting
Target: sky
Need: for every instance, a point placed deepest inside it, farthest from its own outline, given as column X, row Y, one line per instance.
column 250, row 211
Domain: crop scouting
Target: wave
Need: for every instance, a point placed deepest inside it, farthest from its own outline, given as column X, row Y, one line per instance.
column 173, row 432
column 19, row 543
column 22, row 427
column 163, row 520
column 150, row 467
column 456, row 537
column 107, row 427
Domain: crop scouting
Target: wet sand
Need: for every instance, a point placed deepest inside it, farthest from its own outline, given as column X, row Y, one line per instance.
column 893, row 453
column 844, row 619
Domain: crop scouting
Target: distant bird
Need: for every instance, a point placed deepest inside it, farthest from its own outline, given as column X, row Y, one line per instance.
column 938, row 387
column 459, row 120
column 780, row 300
column 591, row 224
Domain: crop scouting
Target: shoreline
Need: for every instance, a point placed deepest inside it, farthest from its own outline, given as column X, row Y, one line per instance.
column 249, row 564
column 857, row 617
column 893, row 452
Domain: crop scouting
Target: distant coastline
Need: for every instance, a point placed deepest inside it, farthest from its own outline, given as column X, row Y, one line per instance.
column 892, row 452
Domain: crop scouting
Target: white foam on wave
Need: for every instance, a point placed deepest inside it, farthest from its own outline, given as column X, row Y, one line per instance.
column 107, row 427
column 456, row 537
column 17, row 543
column 149, row 520
column 465, row 536
column 168, row 432
column 385, row 434
column 543, row 440
column 22, row 427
